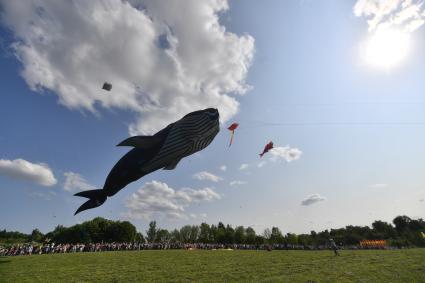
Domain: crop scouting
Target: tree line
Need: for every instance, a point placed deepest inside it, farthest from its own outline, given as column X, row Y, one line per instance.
column 402, row 232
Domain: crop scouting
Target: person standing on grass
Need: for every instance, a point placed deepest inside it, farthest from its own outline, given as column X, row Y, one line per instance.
column 334, row 247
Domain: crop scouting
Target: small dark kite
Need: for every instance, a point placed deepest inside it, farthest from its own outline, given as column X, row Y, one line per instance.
column 107, row 86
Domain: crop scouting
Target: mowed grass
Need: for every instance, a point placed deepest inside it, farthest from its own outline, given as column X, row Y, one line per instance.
column 218, row 266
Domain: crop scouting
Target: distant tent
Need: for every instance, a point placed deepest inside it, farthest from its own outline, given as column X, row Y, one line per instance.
column 107, row 86
column 373, row 244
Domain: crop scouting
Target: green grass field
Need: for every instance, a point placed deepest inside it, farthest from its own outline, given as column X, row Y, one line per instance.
column 218, row 266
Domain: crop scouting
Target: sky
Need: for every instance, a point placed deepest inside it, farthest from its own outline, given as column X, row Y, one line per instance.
column 336, row 85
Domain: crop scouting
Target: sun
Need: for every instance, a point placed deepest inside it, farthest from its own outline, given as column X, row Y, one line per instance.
column 386, row 48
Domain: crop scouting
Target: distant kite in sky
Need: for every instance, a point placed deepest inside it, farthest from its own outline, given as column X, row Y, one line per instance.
column 268, row 147
column 164, row 150
column 232, row 129
column 107, row 86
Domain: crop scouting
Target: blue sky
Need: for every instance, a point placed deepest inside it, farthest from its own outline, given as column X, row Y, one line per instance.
column 292, row 72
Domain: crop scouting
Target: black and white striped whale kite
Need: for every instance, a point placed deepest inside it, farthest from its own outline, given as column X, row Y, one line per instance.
column 164, row 150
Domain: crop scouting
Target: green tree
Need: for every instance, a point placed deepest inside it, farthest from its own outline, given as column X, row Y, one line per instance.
column 267, row 233
column 175, row 236
column 163, row 236
column 250, row 236
column 304, row 239
column 151, row 232
column 240, row 235
column 291, row 239
column 259, row 240
column 194, row 234
column 229, row 235
column 140, row 238
column 36, row 236
column 276, row 236
column 185, row 233
column 126, row 231
column 383, row 230
column 213, row 234
column 205, row 233
column 401, row 223
column 220, row 235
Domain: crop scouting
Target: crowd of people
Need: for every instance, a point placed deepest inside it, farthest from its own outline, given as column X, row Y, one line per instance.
column 51, row 248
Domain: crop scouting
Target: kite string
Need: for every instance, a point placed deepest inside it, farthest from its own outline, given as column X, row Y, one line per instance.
column 231, row 137
column 247, row 124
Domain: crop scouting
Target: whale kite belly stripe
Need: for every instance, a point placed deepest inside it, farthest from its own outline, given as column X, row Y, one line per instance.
column 176, row 143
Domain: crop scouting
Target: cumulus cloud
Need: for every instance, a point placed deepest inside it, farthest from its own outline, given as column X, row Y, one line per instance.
column 163, row 58
column 200, row 215
column 75, row 182
column 237, row 183
column 243, row 166
column 312, row 199
column 223, row 167
column 285, row 153
column 204, row 175
column 157, row 199
column 406, row 15
column 21, row 169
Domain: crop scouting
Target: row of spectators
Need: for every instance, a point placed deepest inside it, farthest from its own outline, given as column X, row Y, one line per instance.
column 51, row 248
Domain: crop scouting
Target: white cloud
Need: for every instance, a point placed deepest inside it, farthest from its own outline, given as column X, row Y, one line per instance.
column 406, row 15
column 195, row 216
column 243, row 166
column 311, row 199
column 163, row 58
column 237, row 183
column 223, row 167
column 379, row 186
column 204, row 175
column 75, row 182
column 157, row 199
column 21, row 169
column 261, row 164
column 285, row 153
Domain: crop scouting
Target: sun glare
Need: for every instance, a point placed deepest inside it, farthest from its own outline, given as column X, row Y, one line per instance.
column 387, row 48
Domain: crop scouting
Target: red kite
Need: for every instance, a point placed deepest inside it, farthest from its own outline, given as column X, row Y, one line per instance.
column 232, row 129
column 267, row 148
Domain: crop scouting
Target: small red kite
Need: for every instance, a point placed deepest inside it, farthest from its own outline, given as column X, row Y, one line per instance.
column 267, row 148
column 232, row 129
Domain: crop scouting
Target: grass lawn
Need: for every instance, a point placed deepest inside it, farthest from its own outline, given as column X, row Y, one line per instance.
column 218, row 266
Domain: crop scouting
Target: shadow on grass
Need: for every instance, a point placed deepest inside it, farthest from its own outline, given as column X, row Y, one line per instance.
column 4, row 259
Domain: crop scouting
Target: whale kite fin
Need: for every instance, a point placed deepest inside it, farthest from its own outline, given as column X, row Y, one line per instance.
column 96, row 198
column 172, row 165
column 143, row 142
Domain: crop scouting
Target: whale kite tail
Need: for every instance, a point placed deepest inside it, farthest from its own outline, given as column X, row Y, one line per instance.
column 96, row 198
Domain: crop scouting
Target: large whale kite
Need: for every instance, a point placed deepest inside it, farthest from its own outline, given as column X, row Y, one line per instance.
column 164, row 150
